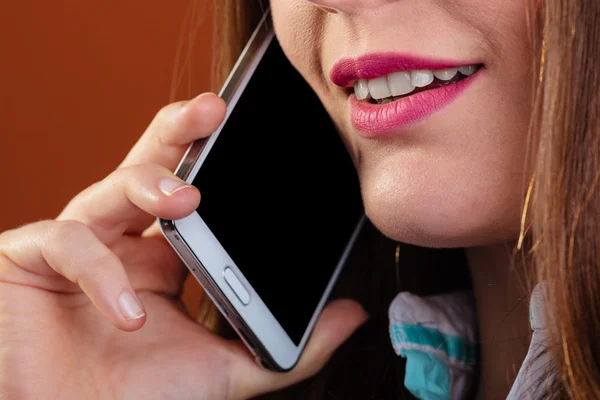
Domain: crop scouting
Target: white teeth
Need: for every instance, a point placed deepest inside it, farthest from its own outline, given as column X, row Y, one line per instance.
column 421, row 78
column 361, row 89
column 468, row 70
column 379, row 88
column 445, row 74
column 400, row 84
column 403, row 83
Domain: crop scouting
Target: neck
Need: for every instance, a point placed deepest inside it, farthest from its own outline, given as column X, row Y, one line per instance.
column 502, row 311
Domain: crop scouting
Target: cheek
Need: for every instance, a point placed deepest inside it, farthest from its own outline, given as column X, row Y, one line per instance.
column 299, row 27
column 461, row 181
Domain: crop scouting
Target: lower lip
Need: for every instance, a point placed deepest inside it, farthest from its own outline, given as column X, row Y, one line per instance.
column 373, row 120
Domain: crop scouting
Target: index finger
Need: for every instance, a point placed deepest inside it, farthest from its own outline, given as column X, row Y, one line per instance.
column 174, row 128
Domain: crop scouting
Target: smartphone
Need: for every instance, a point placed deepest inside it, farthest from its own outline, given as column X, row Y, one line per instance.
column 281, row 205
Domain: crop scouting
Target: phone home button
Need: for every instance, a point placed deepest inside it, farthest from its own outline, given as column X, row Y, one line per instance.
column 235, row 285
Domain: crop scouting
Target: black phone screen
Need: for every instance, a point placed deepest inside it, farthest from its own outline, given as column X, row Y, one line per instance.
column 280, row 192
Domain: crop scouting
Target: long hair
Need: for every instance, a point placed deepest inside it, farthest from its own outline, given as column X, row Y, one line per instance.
column 561, row 212
column 565, row 196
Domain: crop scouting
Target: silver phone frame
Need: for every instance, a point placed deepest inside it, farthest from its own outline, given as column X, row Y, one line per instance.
column 192, row 240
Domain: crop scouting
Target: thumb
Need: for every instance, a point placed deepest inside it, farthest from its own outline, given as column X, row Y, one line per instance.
column 336, row 324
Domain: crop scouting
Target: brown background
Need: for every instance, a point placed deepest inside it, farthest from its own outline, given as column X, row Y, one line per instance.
column 81, row 81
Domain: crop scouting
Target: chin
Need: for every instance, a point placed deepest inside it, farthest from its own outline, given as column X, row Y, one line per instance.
column 425, row 223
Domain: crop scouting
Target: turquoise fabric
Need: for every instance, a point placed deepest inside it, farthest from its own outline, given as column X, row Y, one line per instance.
column 454, row 346
column 427, row 376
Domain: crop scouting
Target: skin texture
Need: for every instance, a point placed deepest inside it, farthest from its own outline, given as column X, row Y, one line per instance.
column 455, row 178
column 458, row 177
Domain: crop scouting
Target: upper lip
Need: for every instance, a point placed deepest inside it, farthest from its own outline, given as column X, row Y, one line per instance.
column 348, row 70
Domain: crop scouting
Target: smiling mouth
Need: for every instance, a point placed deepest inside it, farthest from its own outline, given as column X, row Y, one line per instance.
column 389, row 91
column 398, row 85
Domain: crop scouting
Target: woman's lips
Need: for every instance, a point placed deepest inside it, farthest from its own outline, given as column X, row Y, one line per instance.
column 346, row 71
column 372, row 120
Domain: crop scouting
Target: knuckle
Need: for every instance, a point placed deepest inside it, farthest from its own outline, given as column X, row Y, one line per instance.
column 5, row 268
column 97, row 266
column 30, row 231
column 84, row 195
column 64, row 232
column 121, row 178
column 167, row 111
column 7, row 240
column 75, row 244
column 3, row 236
column 138, row 178
column 136, row 172
column 120, row 175
column 7, row 234
column 3, row 248
column 168, row 119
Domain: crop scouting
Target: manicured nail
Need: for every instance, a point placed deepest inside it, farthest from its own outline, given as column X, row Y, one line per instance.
column 130, row 306
column 169, row 186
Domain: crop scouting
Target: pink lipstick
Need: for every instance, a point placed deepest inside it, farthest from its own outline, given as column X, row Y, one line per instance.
column 395, row 112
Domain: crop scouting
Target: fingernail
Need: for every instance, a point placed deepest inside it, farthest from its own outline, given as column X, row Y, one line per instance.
column 169, row 186
column 188, row 104
column 206, row 94
column 130, row 306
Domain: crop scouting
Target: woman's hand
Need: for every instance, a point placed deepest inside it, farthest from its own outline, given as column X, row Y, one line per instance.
column 89, row 303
